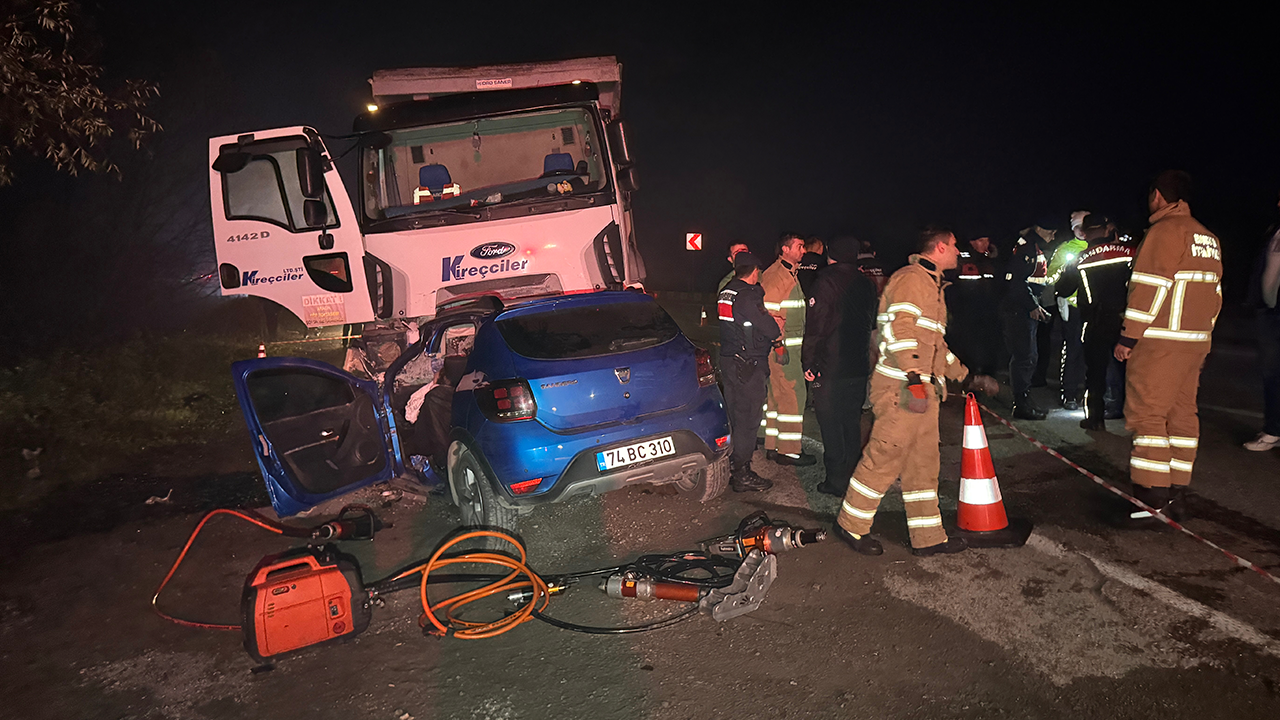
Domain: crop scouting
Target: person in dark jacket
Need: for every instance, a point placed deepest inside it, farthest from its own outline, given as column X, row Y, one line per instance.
column 1264, row 298
column 1099, row 279
column 1022, row 315
column 813, row 260
column 973, row 297
column 836, row 358
column 747, row 334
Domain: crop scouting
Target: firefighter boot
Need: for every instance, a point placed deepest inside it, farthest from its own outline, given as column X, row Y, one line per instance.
column 1178, row 510
column 862, row 544
column 1139, row 519
column 952, row 545
column 744, row 479
column 1024, row 409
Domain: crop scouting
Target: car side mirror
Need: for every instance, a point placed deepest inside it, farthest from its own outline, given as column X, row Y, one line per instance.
column 231, row 162
column 310, row 173
column 628, row 180
column 314, row 213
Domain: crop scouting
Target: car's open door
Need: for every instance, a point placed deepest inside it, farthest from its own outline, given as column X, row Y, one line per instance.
column 284, row 228
column 317, row 431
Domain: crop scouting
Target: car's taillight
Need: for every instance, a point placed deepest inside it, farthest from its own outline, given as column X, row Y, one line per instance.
column 706, row 371
column 527, row 486
column 507, row 401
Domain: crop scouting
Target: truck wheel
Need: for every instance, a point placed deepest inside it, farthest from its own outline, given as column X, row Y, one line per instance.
column 709, row 483
column 477, row 501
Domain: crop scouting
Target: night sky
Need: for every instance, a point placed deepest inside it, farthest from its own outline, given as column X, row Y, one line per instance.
column 748, row 123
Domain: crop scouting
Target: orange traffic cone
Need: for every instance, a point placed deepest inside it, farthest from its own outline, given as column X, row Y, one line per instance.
column 262, row 350
column 981, row 517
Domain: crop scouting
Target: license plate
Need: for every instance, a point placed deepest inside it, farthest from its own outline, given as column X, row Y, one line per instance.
column 631, row 454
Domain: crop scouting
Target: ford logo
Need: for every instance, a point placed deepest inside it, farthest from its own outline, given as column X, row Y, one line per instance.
column 492, row 250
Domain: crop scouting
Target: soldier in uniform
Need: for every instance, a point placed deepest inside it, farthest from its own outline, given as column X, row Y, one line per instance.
column 783, row 298
column 747, row 334
column 1175, row 294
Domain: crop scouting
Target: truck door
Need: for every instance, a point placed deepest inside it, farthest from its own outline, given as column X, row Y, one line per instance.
column 284, row 228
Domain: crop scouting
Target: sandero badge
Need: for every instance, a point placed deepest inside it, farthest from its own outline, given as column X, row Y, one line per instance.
column 492, row 250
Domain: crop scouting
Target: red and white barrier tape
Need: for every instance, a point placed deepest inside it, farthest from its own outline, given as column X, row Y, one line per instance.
column 1117, row 491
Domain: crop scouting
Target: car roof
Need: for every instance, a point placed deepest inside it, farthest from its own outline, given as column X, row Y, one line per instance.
column 577, row 300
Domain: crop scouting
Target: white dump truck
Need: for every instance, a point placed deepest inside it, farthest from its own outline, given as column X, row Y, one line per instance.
column 507, row 181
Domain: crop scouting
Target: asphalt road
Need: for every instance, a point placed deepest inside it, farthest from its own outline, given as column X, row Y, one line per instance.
column 1085, row 621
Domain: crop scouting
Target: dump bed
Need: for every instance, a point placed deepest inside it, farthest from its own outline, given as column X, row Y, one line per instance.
column 391, row 86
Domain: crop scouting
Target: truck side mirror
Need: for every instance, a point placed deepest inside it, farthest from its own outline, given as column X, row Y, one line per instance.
column 310, row 173
column 618, row 143
column 314, row 213
column 231, row 162
column 628, row 180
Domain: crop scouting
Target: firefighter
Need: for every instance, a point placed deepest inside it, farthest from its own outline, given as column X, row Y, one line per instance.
column 1100, row 280
column 784, row 421
column 1072, row 368
column 1022, row 316
column 747, row 334
column 974, row 334
column 734, row 249
column 1175, row 294
column 907, row 384
column 836, row 360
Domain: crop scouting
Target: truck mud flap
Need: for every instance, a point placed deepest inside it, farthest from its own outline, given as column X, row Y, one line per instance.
column 608, row 247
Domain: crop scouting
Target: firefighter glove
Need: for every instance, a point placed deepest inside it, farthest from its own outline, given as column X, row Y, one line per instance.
column 917, row 394
column 783, row 356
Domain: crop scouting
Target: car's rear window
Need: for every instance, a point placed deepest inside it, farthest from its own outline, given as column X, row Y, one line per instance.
column 588, row 331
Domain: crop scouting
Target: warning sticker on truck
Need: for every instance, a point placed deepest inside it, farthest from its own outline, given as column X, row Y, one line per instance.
column 321, row 310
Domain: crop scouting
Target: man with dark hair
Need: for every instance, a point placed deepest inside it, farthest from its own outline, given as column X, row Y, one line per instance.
column 1264, row 298
column 836, row 359
column 813, row 260
column 784, row 419
column 747, row 334
column 1022, row 316
column 1175, row 294
column 734, row 249
column 907, row 385
column 1099, row 279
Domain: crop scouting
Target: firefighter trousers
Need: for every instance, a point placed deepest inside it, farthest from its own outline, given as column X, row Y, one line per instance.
column 1160, row 410
column 903, row 445
column 784, row 411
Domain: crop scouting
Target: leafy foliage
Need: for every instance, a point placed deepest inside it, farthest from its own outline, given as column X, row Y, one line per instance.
column 52, row 101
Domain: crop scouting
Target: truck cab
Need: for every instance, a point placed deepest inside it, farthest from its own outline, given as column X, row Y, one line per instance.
column 508, row 181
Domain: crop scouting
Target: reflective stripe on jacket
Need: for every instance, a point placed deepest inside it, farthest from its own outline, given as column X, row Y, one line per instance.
column 784, row 300
column 1175, row 291
column 912, row 327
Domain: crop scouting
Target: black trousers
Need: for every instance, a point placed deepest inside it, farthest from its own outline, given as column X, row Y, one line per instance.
column 1072, row 372
column 746, row 384
column 1020, row 337
column 1100, row 336
column 838, row 406
column 975, row 337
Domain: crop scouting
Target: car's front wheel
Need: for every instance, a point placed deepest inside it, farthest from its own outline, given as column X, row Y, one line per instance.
column 473, row 488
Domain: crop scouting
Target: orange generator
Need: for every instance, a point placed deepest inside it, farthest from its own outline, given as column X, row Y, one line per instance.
column 301, row 598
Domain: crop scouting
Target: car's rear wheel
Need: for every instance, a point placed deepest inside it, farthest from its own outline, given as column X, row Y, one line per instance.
column 708, row 483
column 477, row 500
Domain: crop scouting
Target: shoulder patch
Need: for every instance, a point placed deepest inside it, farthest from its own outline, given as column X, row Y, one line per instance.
column 812, row 301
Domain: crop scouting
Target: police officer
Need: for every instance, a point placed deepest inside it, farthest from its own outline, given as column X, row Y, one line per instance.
column 1022, row 317
column 836, row 359
column 747, row 335
column 1072, row 368
column 1100, row 282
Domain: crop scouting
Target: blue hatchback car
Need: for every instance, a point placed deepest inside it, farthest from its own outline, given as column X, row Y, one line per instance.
column 562, row 397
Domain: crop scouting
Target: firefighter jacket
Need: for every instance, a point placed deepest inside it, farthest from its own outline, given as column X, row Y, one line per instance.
column 1026, row 276
column 838, row 324
column 724, row 280
column 912, row 327
column 1175, row 291
column 1064, row 258
column 1100, row 280
column 746, row 329
column 784, row 300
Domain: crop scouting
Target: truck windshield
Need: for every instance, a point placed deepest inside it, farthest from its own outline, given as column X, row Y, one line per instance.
column 475, row 163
